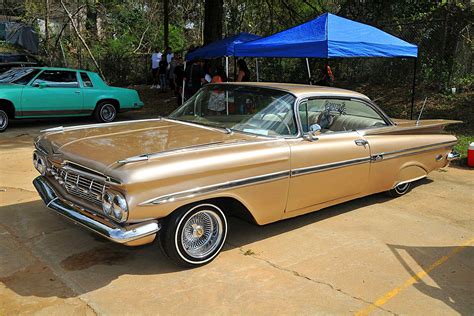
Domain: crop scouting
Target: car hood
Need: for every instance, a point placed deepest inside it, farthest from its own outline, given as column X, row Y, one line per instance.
column 100, row 147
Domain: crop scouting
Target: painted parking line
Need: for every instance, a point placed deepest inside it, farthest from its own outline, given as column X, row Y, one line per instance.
column 412, row 280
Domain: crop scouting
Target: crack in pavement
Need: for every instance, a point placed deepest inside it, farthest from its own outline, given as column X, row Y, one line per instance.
column 300, row 275
column 5, row 189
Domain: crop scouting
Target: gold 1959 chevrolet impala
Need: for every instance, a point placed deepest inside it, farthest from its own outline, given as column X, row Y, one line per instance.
column 249, row 150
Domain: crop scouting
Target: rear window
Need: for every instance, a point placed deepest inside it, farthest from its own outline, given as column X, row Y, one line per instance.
column 86, row 80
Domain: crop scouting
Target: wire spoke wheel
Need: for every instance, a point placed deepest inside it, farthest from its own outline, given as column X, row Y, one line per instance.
column 3, row 121
column 202, row 233
column 108, row 112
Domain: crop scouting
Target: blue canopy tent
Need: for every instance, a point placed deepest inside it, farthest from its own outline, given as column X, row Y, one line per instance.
column 221, row 48
column 330, row 36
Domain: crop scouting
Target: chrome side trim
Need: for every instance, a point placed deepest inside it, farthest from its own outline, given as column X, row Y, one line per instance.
column 328, row 166
column 408, row 181
column 410, row 151
column 91, row 220
column 215, row 187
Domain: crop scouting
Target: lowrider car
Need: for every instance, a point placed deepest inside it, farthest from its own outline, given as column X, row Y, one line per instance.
column 43, row 92
column 262, row 151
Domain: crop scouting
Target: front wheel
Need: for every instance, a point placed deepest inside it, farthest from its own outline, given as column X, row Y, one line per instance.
column 105, row 112
column 400, row 189
column 194, row 235
column 3, row 121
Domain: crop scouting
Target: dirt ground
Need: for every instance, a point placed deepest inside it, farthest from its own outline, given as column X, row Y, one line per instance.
column 411, row 255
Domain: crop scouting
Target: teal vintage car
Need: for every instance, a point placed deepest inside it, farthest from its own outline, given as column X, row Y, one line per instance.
column 43, row 92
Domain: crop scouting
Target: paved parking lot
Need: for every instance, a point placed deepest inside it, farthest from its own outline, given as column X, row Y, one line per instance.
column 411, row 255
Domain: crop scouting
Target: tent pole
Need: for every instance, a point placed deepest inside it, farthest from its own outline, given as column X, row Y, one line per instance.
column 256, row 68
column 227, row 66
column 184, row 84
column 235, row 68
column 413, row 88
column 309, row 70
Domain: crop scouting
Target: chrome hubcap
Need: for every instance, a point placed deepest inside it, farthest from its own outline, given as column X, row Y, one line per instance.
column 202, row 234
column 402, row 187
column 108, row 112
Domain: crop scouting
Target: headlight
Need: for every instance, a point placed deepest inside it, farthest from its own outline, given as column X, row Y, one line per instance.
column 107, row 203
column 40, row 164
column 120, row 208
column 115, row 206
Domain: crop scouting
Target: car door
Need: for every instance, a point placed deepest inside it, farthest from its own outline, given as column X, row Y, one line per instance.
column 336, row 165
column 53, row 92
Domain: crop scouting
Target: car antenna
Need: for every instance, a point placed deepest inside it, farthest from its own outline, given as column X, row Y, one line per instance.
column 421, row 112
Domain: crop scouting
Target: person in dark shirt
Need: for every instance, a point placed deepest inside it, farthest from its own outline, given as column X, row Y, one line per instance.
column 162, row 70
column 194, row 78
column 244, row 73
column 178, row 79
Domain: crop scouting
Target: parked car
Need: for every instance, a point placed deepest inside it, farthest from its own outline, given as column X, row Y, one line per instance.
column 264, row 151
column 15, row 60
column 56, row 92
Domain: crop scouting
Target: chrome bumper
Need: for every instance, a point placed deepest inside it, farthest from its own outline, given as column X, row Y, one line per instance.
column 91, row 220
column 453, row 155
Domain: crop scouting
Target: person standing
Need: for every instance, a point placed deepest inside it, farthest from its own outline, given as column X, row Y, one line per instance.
column 244, row 73
column 169, row 57
column 194, row 78
column 162, row 69
column 155, row 65
column 178, row 79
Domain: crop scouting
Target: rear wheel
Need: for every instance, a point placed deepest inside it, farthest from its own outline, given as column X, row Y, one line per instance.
column 3, row 121
column 105, row 112
column 194, row 235
column 400, row 189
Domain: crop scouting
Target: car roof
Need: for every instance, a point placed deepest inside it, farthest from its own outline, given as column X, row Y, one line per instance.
column 303, row 90
column 59, row 68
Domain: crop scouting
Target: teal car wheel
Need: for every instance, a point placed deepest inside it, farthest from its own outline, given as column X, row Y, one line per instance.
column 106, row 112
column 3, row 121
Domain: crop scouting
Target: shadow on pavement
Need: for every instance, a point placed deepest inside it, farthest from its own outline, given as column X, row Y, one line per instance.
column 453, row 278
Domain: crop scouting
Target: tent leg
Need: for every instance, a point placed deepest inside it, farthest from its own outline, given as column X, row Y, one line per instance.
column 413, row 88
column 184, row 84
column 309, row 70
column 235, row 68
column 227, row 66
column 256, row 68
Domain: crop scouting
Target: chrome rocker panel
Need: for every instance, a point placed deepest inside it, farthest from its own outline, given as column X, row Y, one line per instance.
column 92, row 221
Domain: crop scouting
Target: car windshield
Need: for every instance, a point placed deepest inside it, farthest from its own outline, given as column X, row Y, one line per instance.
column 13, row 75
column 243, row 108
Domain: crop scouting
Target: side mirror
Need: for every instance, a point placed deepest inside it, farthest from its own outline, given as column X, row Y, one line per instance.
column 314, row 132
column 40, row 85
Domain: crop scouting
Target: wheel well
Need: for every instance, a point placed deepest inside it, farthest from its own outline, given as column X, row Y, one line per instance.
column 8, row 107
column 114, row 102
column 228, row 205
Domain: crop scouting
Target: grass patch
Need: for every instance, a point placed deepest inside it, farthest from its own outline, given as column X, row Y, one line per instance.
column 463, row 144
column 249, row 253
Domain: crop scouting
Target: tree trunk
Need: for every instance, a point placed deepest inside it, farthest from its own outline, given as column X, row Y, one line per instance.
column 213, row 16
column 166, row 15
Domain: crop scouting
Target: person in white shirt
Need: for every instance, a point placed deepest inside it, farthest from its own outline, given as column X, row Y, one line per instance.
column 155, row 65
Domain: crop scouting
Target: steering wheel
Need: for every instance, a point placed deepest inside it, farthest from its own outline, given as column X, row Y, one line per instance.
column 282, row 118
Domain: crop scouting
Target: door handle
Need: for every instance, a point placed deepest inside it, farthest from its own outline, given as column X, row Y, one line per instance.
column 361, row 142
column 77, row 91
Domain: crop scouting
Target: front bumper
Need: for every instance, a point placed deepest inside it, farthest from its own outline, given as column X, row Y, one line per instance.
column 91, row 220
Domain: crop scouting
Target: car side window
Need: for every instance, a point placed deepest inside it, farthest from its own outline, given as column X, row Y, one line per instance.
column 338, row 115
column 57, row 79
column 86, row 80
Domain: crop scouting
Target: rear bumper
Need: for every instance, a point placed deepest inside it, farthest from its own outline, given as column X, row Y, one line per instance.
column 91, row 220
column 453, row 155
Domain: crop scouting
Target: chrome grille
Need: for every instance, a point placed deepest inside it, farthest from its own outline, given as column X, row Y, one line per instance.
column 79, row 185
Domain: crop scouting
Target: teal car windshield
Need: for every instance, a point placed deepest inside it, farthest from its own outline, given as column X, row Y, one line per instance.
column 247, row 109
